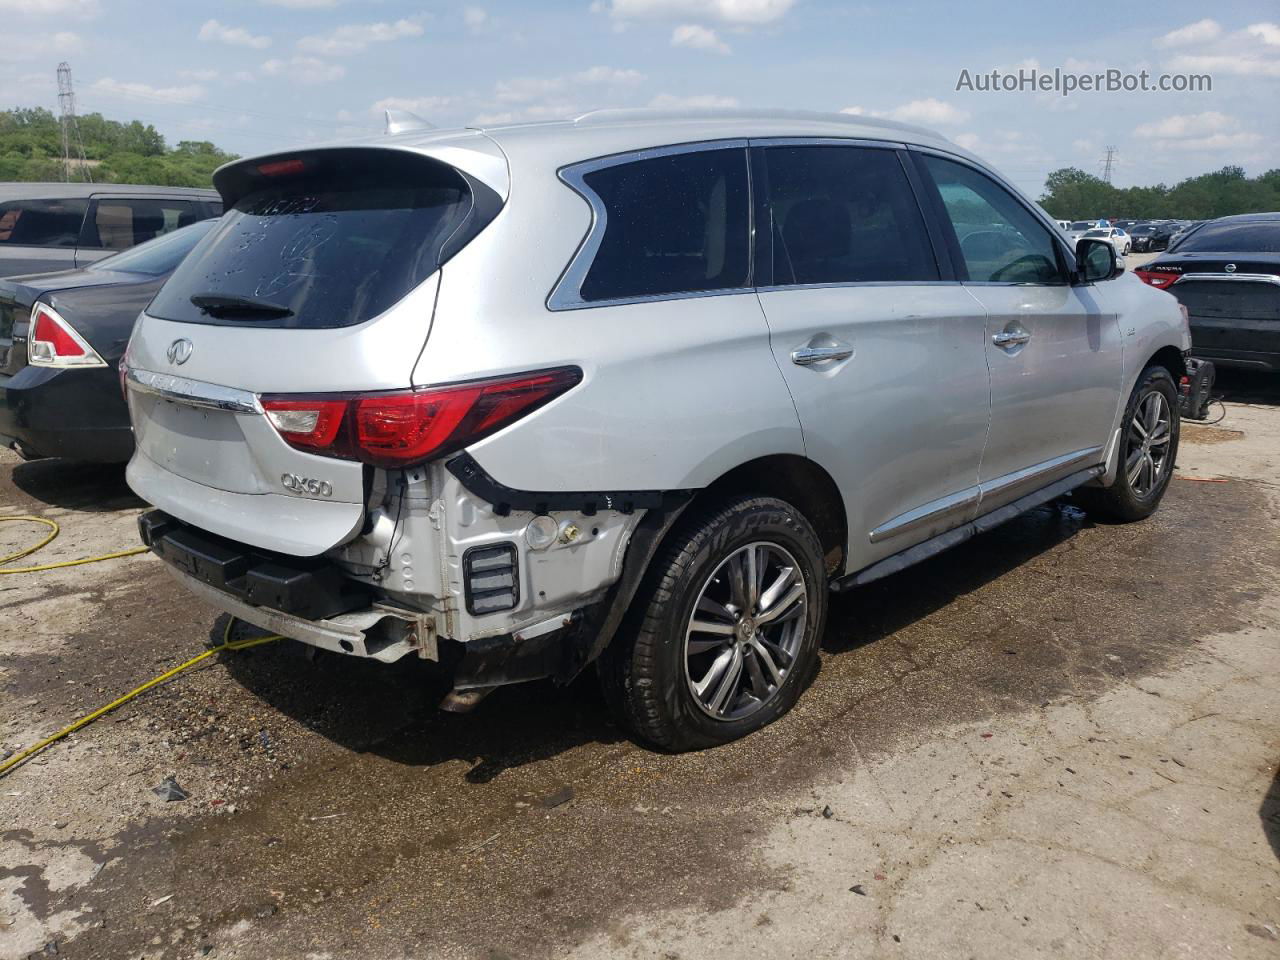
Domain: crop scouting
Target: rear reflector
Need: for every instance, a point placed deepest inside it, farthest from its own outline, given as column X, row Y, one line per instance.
column 53, row 342
column 409, row 427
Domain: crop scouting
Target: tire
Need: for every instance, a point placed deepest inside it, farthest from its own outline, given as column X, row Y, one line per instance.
column 1135, row 496
column 650, row 675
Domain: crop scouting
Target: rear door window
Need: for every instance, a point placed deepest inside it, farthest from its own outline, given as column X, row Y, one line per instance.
column 844, row 215
column 999, row 239
column 118, row 223
column 678, row 223
column 42, row 223
column 331, row 240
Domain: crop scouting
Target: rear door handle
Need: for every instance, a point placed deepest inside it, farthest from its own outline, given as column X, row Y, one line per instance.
column 804, row 356
column 1010, row 338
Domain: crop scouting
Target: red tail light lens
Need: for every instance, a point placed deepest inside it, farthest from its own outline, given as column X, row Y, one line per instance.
column 1160, row 281
column 409, row 427
column 55, row 343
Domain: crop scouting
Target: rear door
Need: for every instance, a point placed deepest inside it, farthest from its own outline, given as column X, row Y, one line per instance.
column 39, row 235
column 882, row 352
column 116, row 222
column 1053, row 348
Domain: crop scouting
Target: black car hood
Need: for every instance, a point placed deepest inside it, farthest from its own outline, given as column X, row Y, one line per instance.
column 102, row 305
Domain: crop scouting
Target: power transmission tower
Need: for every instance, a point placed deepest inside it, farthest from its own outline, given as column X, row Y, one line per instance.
column 1108, row 162
column 70, row 127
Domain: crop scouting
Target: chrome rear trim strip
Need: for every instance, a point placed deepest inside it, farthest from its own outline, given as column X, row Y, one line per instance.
column 193, row 393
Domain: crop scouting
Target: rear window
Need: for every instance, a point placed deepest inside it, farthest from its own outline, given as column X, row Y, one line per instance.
column 1257, row 236
column 324, row 240
column 159, row 256
column 42, row 223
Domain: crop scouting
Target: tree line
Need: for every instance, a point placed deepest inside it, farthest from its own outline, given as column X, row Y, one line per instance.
column 31, row 150
column 1072, row 194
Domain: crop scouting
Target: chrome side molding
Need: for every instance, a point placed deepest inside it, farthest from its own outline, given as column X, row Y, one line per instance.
column 192, row 393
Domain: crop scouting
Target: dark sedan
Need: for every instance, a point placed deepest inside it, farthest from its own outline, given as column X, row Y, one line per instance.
column 1149, row 237
column 1227, row 274
column 61, row 339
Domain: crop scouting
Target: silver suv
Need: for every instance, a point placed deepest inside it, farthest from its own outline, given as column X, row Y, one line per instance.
column 636, row 390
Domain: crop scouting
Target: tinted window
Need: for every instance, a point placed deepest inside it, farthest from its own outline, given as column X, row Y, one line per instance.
column 42, row 223
column 118, row 223
column 331, row 246
column 844, row 215
column 674, row 224
column 1257, row 236
column 158, row 256
column 1000, row 240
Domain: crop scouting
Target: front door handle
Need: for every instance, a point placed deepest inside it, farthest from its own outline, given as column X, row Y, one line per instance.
column 1010, row 338
column 804, row 356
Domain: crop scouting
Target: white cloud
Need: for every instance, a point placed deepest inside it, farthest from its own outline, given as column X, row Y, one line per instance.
column 698, row 38
column 1201, row 31
column 354, row 38
column 475, row 17
column 970, row 141
column 668, row 101
column 1185, row 125
column 305, row 70
column 528, row 89
column 928, row 110
column 204, row 76
column 1197, row 131
column 82, row 9
column 184, row 94
column 1268, row 33
column 423, row 106
column 1238, row 65
column 721, row 11
column 61, row 44
column 304, row 4
column 214, row 32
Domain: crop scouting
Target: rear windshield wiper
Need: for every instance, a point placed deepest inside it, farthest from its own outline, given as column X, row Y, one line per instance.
column 220, row 305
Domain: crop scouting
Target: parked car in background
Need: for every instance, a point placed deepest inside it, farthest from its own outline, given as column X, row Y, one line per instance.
column 1151, row 237
column 61, row 226
column 479, row 425
column 1112, row 235
column 61, row 337
column 1226, row 273
column 1063, row 225
column 1181, row 229
column 1079, row 228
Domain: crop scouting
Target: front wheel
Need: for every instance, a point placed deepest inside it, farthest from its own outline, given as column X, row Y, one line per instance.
column 1148, row 451
column 723, row 635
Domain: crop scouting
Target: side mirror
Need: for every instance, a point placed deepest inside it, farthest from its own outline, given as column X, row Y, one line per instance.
column 1096, row 260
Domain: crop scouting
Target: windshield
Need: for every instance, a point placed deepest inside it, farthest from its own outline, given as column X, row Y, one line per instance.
column 159, row 256
column 329, row 240
column 1081, row 224
column 1096, row 233
column 1249, row 236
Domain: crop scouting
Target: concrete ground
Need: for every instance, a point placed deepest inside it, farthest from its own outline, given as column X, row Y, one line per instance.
column 1060, row 739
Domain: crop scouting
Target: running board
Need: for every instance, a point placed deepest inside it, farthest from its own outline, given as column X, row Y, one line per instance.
column 944, row 541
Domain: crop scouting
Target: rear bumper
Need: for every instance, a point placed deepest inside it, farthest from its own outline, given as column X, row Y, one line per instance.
column 77, row 414
column 1247, row 344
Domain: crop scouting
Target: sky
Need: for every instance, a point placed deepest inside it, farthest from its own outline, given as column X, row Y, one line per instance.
column 256, row 76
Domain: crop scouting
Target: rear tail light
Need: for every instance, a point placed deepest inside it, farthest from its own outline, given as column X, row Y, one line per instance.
column 1160, row 281
column 53, row 342
column 409, row 427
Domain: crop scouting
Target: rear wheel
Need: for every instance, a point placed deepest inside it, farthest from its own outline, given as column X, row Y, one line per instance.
column 723, row 635
column 1148, row 451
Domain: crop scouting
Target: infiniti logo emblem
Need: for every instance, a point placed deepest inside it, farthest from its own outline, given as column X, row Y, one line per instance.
column 179, row 351
column 1231, row 268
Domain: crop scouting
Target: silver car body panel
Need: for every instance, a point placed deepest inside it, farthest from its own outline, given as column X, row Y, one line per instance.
column 676, row 390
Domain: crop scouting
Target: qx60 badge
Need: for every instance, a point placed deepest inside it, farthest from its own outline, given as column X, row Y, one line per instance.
column 306, row 485
column 179, row 351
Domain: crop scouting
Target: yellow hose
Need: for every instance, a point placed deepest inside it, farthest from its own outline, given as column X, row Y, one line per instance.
column 53, row 532
column 227, row 644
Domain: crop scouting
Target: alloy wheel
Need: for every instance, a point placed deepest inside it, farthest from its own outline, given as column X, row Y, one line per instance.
column 1147, row 448
column 745, row 631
